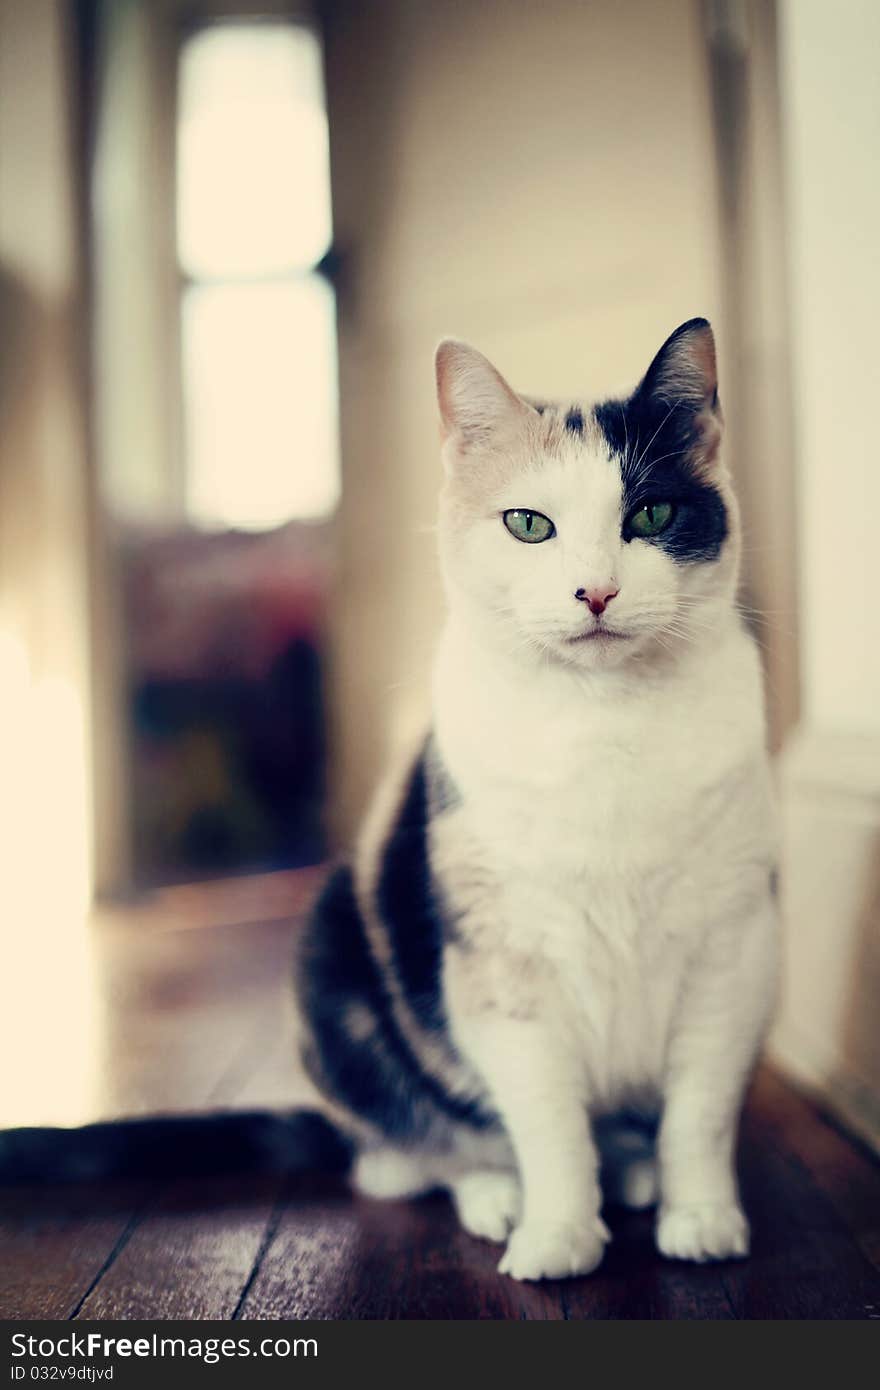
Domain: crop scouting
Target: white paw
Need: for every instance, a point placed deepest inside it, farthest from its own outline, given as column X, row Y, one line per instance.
column 488, row 1203
column 637, row 1184
column 714, row 1231
column 554, row 1252
column 389, row 1173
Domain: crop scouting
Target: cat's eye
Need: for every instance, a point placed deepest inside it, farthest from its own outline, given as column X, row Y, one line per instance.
column 650, row 519
column 531, row 527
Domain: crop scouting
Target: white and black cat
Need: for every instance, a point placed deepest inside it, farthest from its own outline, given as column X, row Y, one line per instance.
column 555, row 952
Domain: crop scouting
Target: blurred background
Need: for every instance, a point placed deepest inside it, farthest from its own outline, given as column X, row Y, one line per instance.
column 230, row 236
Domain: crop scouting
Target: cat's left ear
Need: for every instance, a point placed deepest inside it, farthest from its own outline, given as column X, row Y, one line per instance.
column 479, row 412
column 684, row 377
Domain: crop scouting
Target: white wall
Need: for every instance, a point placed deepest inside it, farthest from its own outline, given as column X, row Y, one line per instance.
column 832, row 126
column 828, row 1029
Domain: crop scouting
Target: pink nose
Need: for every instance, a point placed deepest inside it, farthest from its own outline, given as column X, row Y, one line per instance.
column 597, row 600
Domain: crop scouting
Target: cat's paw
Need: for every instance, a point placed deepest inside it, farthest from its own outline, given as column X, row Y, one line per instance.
column 635, row 1184
column 388, row 1174
column 488, row 1203
column 537, row 1251
column 712, row 1231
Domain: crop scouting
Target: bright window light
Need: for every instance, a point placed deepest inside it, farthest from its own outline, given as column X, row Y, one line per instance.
column 260, row 385
column 257, row 316
column 253, row 168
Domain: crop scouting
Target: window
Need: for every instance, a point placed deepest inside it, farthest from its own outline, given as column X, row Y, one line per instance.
column 257, row 314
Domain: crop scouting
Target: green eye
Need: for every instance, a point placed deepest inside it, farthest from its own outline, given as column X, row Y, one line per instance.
column 529, row 526
column 650, row 520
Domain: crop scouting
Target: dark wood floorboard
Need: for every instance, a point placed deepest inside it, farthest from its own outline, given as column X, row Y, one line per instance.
column 844, row 1171
column 191, row 1252
column 55, row 1243
column 806, row 1262
column 262, row 1246
column 333, row 1252
column 195, row 1017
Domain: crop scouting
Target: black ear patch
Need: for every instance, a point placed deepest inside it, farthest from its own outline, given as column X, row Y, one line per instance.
column 659, row 438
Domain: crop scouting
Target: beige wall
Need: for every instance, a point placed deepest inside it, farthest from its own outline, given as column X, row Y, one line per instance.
column 539, row 179
column 828, row 1030
column 833, row 145
column 136, row 283
column 45, row 783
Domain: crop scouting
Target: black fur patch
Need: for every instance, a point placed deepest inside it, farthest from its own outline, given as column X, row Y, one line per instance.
column 371, row 1074
column 358, row 1056
column 654, row 439
column 443, row 794
column 405, row 897
column 574, row 421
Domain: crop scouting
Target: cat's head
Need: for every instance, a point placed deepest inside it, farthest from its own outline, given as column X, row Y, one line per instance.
column 588, row 534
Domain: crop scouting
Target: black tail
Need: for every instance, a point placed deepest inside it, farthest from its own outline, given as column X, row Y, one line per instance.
column 175, row 1146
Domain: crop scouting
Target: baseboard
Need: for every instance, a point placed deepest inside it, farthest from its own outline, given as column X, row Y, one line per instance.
column 827, row 1032
column 829, row 1080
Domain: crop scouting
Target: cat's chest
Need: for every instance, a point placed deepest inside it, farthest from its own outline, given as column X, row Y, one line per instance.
column 575, row 790
column 635, row 797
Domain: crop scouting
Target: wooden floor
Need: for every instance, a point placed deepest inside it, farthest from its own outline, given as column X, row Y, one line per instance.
column 266, row 1245
column 183, row 1008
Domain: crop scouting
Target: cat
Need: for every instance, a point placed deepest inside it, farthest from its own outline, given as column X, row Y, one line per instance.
column 552, row 962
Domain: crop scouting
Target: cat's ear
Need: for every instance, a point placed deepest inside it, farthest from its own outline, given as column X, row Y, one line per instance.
column 478, row 410
column 683, row 377
column 684, row 368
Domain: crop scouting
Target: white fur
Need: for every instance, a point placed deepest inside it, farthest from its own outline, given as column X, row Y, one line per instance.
column 488, row 1202
column 608, row 863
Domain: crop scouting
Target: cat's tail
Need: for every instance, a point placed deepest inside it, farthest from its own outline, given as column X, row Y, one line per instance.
column 171, row 1146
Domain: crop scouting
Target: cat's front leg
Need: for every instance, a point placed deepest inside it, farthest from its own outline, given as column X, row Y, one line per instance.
column 715, row 1039
column 537, row 1082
